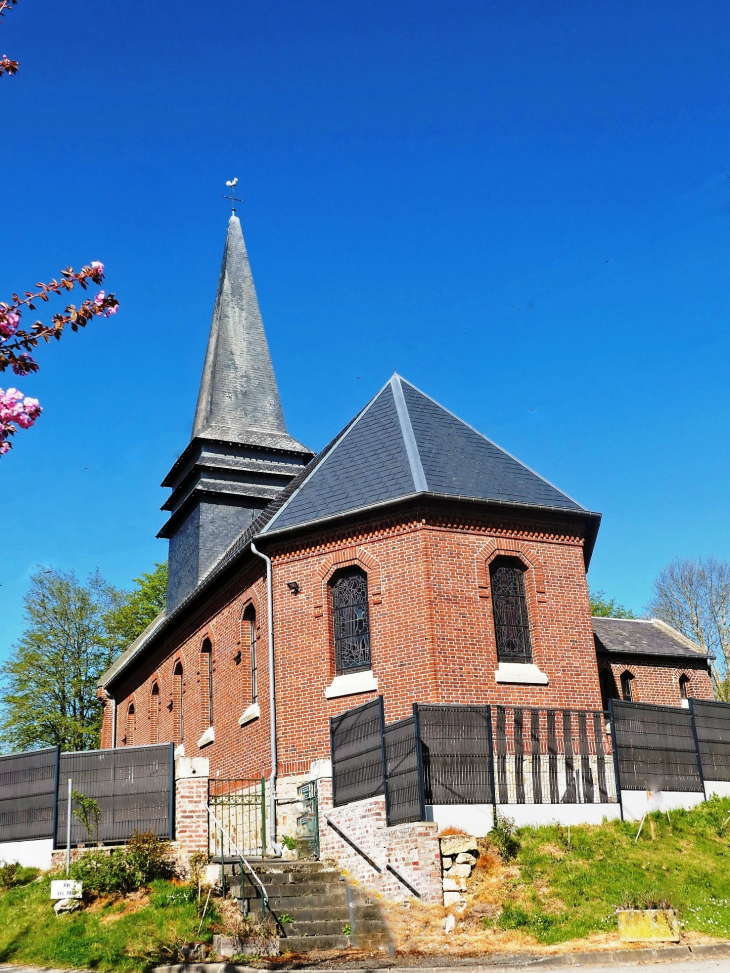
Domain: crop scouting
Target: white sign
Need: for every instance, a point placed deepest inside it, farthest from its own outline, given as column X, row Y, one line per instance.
column 65, row 889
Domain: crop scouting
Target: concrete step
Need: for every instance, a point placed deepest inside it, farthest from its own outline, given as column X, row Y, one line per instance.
column 295, row 905
column 337, row 912
column 305, row 944
column 325, row 927
column 289, row 891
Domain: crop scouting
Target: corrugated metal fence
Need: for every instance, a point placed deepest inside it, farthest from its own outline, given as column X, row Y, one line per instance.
column 132, row 786
column 471, row 755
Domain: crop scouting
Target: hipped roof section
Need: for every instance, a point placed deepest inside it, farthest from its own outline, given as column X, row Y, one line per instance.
column 402, row 445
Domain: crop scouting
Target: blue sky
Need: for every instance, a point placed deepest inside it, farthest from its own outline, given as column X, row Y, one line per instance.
column 522, row 207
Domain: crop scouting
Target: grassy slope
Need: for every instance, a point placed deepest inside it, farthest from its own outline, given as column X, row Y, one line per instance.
column 106, row 937
column 570, row 891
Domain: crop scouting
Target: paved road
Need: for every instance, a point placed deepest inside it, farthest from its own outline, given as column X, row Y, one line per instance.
column 721, row 965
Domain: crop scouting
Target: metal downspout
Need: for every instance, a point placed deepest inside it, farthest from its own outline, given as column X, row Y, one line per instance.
column 272, row 699
column 114, row 720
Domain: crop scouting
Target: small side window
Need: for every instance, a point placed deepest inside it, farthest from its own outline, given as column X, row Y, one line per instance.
column 627, row 686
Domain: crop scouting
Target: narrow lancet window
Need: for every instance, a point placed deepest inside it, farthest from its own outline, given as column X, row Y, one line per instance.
column 351, row 622
column 509, row 604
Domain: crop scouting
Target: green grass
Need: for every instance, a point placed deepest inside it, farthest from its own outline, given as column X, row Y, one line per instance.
column 31, row 933
column 568, row 891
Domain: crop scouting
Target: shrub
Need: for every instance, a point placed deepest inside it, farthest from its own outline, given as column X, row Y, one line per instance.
column 504, row 836
column 8, row 874
column 122, row 870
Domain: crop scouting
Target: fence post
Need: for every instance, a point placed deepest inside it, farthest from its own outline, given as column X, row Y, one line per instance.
column 419, row 761
column 490, row 744
column 697, row 747
column 263, row 817
column 171, row 808
column 56, row 773
column 332, row 755
column 383, row 759
column 616, row 770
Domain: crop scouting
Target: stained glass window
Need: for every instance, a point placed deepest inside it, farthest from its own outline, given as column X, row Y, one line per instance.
column 351, row 622
column 511, row 623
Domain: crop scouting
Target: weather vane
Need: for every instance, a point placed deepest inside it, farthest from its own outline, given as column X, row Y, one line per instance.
column 231, row 183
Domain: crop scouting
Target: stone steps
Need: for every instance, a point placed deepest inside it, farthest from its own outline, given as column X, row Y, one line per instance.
column 312, row 897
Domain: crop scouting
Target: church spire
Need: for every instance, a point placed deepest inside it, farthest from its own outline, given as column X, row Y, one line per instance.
column 238, row 391
column 240, row 455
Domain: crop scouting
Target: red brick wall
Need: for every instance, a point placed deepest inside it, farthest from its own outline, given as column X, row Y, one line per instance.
column 658, row 682
column 432, row 638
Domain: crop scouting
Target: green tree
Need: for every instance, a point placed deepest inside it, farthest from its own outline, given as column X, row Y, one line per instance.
column 135, row 609
column 608, row 607
column 49, row 681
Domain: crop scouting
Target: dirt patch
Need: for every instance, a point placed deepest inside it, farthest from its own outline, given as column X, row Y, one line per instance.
column 127, row 906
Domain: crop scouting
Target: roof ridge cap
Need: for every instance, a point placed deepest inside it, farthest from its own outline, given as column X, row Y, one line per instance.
column 317, row 466
column 418, row 474
column 492, row 443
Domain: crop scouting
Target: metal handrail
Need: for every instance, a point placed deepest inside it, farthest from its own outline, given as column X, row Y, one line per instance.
column 242, row 859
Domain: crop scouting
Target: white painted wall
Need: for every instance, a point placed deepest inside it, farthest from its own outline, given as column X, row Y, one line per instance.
column 478, row 819
column 536, row 815
column 33, row 854
column 475, row 819
column 719, row 787
column 637, row 803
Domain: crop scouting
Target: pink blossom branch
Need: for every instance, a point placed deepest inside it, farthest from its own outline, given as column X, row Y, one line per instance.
column 6, row 65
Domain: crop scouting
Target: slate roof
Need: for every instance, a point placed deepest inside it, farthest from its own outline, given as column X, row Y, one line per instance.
column 239, row 399
column 650, row 637
column 401, row 444
column 405, row 443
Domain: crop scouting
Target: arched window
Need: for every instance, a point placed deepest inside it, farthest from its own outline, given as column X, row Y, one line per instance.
column 509, row 604
column 684, row 686
column 177, row 702
column 206, row 682
column 248, row 636
column 627, row 686
column 129, row 736
column 154, row 712
column 351, row 621
column 608, row 687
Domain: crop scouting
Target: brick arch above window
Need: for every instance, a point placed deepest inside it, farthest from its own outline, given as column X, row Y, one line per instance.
column 507, row 547
column 345, row 558
column 534, row 580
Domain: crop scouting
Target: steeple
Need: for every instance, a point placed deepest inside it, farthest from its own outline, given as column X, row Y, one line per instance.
column 240, row 455
column 238, row 392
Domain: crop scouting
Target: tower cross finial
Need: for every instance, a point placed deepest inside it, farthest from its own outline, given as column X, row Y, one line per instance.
column 231, row 183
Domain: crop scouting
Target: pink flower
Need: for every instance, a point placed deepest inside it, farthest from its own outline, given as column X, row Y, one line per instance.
column 4, row 448
column 98, row 266
column 111, row 310
column 99, row 299
column 9, row 321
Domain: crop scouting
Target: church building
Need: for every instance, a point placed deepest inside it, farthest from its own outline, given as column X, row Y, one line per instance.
column 412, row 558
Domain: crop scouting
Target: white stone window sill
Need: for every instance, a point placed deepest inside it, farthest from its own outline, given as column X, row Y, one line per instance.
column 684, row 704
column 207, row 737
column 179, row 751
column 523, row 673
column 352, row 684
column 252, row 713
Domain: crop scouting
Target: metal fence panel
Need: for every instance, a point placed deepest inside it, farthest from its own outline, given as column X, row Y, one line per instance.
column 655, row 746
column 456, row 753
column 356, row 740
column 403, row 802
column 547, row 756
column 712, row 724
column 27, row 795
column 133, row 787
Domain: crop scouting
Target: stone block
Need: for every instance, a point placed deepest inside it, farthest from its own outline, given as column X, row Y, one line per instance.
column 465, row 859
column 446, row 863
column 452, row 898
column 456, row 844
column 648, row 925
column 460, row 871
column 454, row 884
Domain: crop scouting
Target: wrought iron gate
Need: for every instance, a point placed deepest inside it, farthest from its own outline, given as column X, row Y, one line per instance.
column 240, row 807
